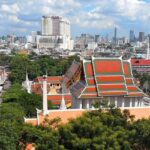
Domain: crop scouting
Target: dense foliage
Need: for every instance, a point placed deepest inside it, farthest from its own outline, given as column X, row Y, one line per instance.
column 28, row 102
column 4, row 60
column 96, row 130
column 41, row 65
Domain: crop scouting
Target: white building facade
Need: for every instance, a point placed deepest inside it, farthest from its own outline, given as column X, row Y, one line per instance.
column 55, row 33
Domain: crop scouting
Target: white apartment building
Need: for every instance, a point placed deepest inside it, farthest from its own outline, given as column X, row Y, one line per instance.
column 55, row 33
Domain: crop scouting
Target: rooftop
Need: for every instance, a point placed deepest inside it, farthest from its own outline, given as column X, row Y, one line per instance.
column 140, row 62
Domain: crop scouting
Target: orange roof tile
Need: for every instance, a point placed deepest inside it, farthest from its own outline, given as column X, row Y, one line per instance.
column 140, row 62
column 109, row 76
column 93, row 95
column 129, row 81
column 107, row 87
column 90, row 89
column 107, row 66
column 126, row 68
column 89, row 69
column 91, row 81
column 50, row 79
column 113, row 93
column 110, row 79
column 56, row 99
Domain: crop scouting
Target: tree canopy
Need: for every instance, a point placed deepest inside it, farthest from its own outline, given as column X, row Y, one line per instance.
column 28, row 102
column 19, row 64
column 95, row 130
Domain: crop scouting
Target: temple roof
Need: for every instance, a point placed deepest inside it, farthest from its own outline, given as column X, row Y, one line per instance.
column 50, row 79
column 140, row 62
column 133, row 90
column 108, row 77
column 55, row 98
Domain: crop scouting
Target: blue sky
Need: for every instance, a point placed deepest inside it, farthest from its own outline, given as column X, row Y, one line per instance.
column 86, row 16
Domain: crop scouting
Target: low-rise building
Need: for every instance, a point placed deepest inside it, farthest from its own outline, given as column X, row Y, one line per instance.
column 141, row 65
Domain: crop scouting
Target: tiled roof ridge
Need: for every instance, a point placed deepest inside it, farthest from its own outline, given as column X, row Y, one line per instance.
column 123, row 83
column 132, row 78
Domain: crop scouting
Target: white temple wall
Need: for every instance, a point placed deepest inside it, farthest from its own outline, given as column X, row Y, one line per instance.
column 117, row 101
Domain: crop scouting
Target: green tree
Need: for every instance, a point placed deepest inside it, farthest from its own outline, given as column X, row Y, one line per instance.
column 4, row 60
column 142, row 136
column 11, row 112
column 43, row 138
column 13, row 94
column 97, row 130
column 29, row 102
column 19, row 65
column 9, row 136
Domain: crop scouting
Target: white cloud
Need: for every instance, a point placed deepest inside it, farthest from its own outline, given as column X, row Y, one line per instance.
column 14, row 8
column 13, row 18
column 95, row 14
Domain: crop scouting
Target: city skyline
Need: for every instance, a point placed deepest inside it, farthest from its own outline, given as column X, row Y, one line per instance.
column 96, row 17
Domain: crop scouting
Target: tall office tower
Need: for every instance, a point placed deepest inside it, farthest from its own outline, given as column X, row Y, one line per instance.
column 132, row 36
column 141, row 36
column 97, row 38
column 115, row 36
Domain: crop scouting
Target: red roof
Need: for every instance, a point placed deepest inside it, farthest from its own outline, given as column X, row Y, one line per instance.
column 109, row 77
column 50, row 79
column 107, row 66
column 37, row 88
column 133, row 90
column 140, row 62
column 56, row 99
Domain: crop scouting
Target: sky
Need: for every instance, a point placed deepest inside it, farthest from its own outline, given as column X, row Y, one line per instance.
column 20, row 17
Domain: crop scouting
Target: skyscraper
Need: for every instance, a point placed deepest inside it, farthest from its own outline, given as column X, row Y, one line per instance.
column 97, row 38
column 115, row 36
column 132, row 36
column 141, row 36
column 55, row 33
column 55, row 25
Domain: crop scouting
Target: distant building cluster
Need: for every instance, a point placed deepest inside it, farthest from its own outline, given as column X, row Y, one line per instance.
column 54, row 39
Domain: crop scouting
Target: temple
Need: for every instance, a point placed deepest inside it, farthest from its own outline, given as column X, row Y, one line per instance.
column 92, row 80
column 107, row 78
column 54, row 89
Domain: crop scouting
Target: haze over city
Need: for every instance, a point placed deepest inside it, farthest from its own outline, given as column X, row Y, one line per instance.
column 97, row 16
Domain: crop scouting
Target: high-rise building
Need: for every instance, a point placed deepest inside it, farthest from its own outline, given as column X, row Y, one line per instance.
column 141, row 36
column 55, row 33
column 55, row 25
column 115, row 36
column 97, row 38
column 132, row 36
